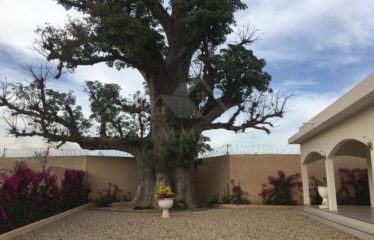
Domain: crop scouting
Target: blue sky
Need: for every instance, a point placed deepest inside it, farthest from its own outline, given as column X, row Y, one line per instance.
column 315, row 50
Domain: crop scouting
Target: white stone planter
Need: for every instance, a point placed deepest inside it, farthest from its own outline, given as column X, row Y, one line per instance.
column 322, row 191
column 165, row 204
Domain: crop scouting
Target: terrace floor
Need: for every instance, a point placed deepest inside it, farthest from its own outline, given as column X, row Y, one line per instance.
column 252, row 223
column 362, row 213
column 356, row 220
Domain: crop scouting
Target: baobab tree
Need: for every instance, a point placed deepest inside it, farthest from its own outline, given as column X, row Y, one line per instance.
column 196, row 79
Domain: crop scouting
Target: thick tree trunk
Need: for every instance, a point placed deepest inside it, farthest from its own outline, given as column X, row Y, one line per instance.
column 184, row 186
column 169, row 136
column 146, row 184
column 180, row 178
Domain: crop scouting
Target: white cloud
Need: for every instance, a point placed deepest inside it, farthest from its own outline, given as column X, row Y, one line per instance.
column 292, row 30
column 18, row 32
column 20, row 18
column 327, row 63
column 294, row 82
column 6, row 72
column 130, row 80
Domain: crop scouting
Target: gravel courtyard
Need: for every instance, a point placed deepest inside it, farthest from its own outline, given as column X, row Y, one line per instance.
column 209, row 224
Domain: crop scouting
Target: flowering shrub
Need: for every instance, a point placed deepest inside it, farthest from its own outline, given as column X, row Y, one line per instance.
column 236, row 196
column 164, row 191
column 344, row 196
column 281, row 189
column 3, row 216
column 355, row 187
column 27, row 196
column 74, row 190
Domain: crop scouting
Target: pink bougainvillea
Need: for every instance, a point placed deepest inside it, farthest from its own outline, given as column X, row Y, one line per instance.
column 3, row 216
column 27, row 196
column 74, row 190
column 281, row 189
column 354, row 188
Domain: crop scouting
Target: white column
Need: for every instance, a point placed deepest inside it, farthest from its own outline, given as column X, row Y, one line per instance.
column 330, row 176
column 370, row 167
column 305, row 181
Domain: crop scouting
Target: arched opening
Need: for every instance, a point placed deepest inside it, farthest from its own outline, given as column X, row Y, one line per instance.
column 351, row 158
column 314, row 164
column 312, row 157
column 350, row 147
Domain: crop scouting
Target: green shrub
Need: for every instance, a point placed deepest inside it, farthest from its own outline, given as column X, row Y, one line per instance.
column 179, row 205
column 226, row 199
column 108, row 196
column 235, row 196
column 103, row 201
column 211, row 201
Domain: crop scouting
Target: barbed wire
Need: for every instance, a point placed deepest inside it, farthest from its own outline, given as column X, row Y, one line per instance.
column 53, row 152
column 217, row 151
column 251, row 149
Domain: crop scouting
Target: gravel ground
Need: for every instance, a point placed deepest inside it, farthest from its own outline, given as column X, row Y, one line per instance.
column 210, row 224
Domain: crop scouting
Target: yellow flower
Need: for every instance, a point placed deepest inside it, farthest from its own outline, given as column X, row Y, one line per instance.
column 164, row 191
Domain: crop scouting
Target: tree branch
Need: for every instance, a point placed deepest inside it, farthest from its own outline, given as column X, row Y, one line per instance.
column 260, row 114
column 89, row 143
column 54, row 116
column 160, row 13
